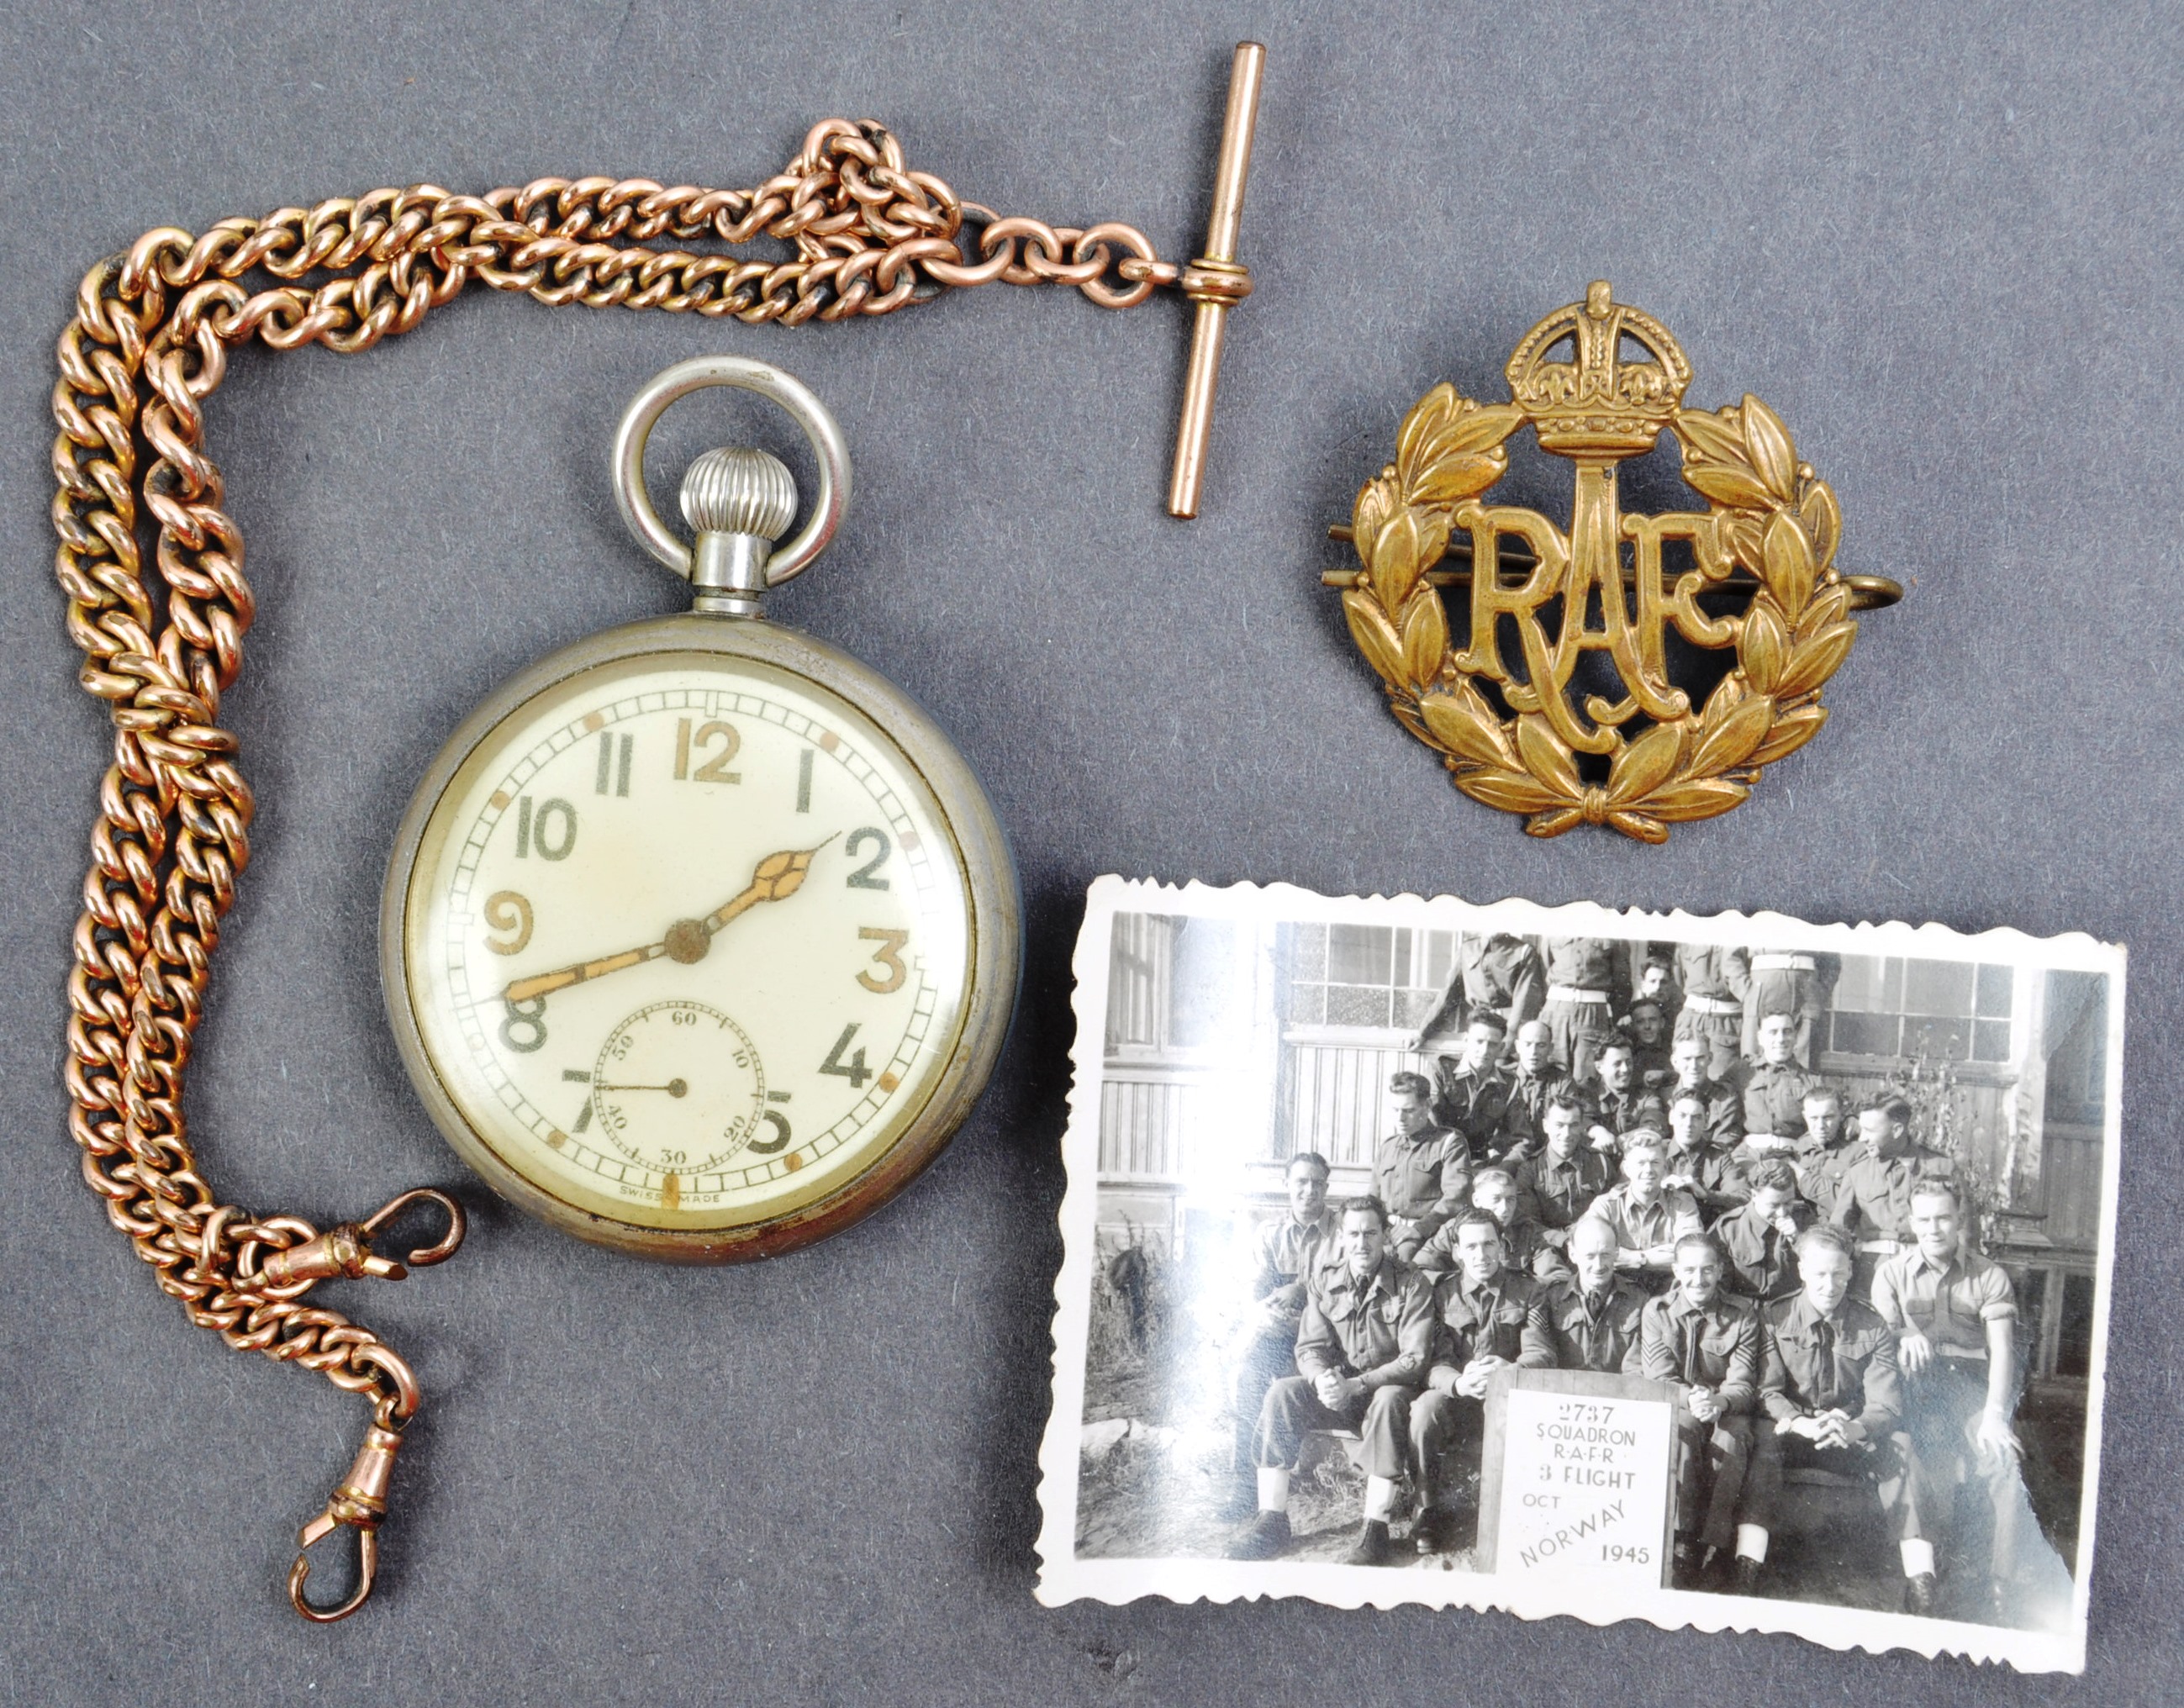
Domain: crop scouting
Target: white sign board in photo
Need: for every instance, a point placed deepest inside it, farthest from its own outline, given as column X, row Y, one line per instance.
column 1582, row 1482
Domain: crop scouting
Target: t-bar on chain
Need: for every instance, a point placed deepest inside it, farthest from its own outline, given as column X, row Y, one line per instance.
column 148, row 344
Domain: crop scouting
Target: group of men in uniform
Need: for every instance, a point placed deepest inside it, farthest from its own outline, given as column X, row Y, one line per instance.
column 1623, row 1161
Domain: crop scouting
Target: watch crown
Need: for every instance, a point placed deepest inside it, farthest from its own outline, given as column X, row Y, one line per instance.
column 739, row 490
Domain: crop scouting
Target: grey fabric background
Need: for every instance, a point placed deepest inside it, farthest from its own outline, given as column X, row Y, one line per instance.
column 1942, row 242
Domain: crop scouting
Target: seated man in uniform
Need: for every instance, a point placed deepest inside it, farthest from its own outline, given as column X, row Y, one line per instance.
column 1774, row 1095
column 1362, row 1350
column 1955, row 1316
column 1646, row 1220
column 1471, row 1093
column 1558, row 1186
column 1826, row 1153
column 1421, row 1172
column 1723, row 1103
column 1873, row 1204
column 1620, row 1101
column 1588, row 1319
column 1834, row 1402
column 1709, row 1342
column 1282, row 1252
column 1538, row 1078
column 1708, row 1172
column 1758, row 1239
column 1483, row 1307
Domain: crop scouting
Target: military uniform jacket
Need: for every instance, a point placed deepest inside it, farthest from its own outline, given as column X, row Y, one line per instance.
column 1651, row 1064
column 1483, row 1322
column 1521, row 1246
column 1524, row 1127
column 1724, row 1109
column 1774, row 1099
column 1641, row 1227
column 1951, row 1304
column 1822, row 1169
column 1473, row 1105
column 1846, row 1364
column 1380, row 1329
column 1759, row 1260
column 1716, row 1345
column 1719, row 975
column 1423, row 1177
column 1590, row 963
column 1621, row 1112
column 1554, row 1193
column 1717, row 1177
column 1286, row 1251
column 1875, row 1199
column 1500, row 974
column 1562, row 1332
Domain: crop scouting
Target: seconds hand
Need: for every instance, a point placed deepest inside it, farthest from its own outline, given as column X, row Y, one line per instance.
column 776, row 879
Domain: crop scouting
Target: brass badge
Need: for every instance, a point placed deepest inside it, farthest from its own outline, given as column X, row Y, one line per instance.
column 1625, row 748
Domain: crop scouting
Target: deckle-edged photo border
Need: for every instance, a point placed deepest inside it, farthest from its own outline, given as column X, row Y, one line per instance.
column 1066, row 1577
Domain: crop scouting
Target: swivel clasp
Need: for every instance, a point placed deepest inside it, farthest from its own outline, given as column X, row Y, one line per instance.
column 360, row 1503
column 346, row 1251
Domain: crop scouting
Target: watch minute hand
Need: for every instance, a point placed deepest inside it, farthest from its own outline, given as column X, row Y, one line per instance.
column 539, row 984
column 776, row 877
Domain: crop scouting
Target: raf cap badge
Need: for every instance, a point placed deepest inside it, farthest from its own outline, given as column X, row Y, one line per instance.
column 1522, row 717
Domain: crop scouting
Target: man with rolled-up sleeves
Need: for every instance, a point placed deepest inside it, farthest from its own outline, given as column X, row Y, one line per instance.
column 1955, row 1316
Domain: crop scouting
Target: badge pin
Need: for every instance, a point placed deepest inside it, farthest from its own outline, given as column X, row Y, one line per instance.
column 1522, row 715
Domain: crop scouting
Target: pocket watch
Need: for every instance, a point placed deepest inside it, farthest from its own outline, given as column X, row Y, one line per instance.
column 699, row 938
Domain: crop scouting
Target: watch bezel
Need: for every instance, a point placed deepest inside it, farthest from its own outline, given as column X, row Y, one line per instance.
column 993, row 962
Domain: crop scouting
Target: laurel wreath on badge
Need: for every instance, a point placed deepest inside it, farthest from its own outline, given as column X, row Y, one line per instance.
column 1772, row 527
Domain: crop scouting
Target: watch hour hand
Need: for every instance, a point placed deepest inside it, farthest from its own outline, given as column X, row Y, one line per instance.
column 776, row 877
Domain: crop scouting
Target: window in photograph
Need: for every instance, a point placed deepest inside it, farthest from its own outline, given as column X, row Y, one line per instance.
column 1381, row 976
column 1941, row 1010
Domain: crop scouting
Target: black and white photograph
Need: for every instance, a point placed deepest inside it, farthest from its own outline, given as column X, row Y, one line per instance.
column 1736, row 1272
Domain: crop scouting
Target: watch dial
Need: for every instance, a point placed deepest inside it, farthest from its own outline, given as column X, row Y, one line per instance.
column 687, row 940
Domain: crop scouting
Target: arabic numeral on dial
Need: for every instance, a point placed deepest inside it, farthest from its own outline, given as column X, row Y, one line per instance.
column 779, row 1122
column 862, row 878
column 507, row 910
column 853, row 1069
column 888, row 954
column 714, row 770
column 551, row 829
column 524, row 1030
